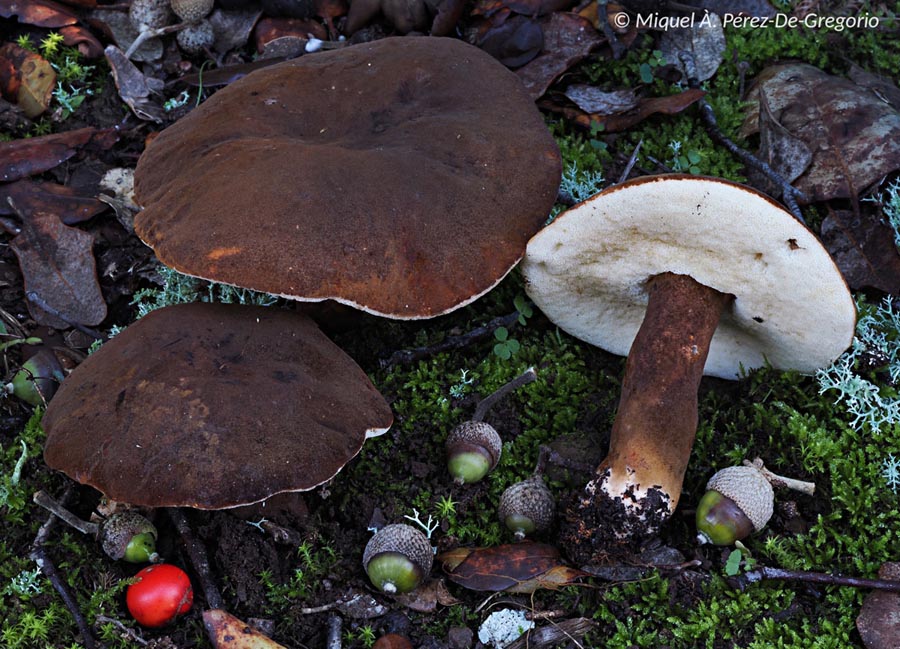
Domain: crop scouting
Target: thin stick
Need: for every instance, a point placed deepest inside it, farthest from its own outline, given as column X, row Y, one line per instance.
column 451, row 342
column 776, row 480
column 198, row 558
column 488, row 402
column 39, row 302
column 46, row 565
column 124, row 630
column 53, row 506
column 741, row 581
column 631, row 162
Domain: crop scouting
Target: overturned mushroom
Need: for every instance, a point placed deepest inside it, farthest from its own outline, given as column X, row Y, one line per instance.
column 402, row 177
column 686, row 275
column 212, row 406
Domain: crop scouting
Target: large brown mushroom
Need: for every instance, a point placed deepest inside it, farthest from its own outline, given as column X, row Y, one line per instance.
column 212, row 406
column 403, row 177
column 686, row 275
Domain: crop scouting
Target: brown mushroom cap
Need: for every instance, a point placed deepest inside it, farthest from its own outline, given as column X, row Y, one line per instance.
column 212, row 406
column 588, row 271
column 402, row 177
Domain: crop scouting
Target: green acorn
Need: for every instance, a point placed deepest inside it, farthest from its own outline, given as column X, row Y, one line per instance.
column 128, row 536
column 37, row 379
column 398, row 558
column 474, row 447
column 739, row 500
column 527, row 507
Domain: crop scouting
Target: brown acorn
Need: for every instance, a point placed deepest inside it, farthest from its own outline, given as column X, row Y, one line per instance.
column 739, row 500
column 527, row 507
column 398, row 558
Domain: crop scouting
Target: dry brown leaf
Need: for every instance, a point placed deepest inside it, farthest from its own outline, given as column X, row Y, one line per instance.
column 26, row 79
column 426, row 597
column 86, row 43
column 704, row 42
column 785, row 153
column 518, row 567
column 862, row 246
column 568, row 38
column 134, row 88
column 512, row 39
column 591, row 99
column 27, row 157
column 56, row 199
column 58, row 266
column 854, row 136
column 40, row 13
column 225, row 631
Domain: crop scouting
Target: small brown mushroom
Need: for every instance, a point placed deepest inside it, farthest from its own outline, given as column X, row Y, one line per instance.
column 402, row 177
column 686, row 275
column 212, row 406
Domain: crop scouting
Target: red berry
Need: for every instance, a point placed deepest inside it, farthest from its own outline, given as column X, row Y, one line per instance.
column 161, row 593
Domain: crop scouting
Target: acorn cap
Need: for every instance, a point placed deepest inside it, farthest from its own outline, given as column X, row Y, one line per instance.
column 118, row 530
column 477, row 434
column 191, row 10
column 402, row 539
column 149, row 14
column 197, row 37
column 531, row 499
column 748, row 489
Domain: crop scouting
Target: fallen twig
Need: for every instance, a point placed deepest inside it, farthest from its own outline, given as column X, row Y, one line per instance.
column 46, row 565
column 740, row 582
column 451, row 342
column 126, row 632
column 198, row 558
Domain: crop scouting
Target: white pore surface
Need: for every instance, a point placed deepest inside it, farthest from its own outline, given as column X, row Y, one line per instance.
column 588, row 270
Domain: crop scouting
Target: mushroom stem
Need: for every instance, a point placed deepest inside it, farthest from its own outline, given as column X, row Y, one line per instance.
column 488, row 402
column 776, row 480
column 46, row 501
column 656, row 422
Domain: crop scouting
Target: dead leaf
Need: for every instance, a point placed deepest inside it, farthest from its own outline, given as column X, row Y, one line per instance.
column 270, row 29
column 704, row 42
column 26, row 78
column 40, row 13
column 744, row 7
column 134, row 88
column 82, row 39
column 568, row 38
column 786, row 154
column 438, row 17
column 232, row 29
column 879, row 618
column 883, row 87
column 863, row 248
column 646, row 107
column 225, row 631
column 512, row 39
column 27, row 157
column 58, row 266
column 119, row 29
column 591, row 99
column 31, row 196
column 427, row 596
column 524, row 7
column 519, row 567
column 854, row 136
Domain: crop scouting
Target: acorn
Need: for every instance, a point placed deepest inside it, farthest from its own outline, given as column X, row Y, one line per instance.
column 129, row 536
column 527, row 507
column 474, row 447
column 196, row 38
column 739, row 500
column 398, row 558
column 190, row 11
column 146, row 15
column 37, row 379
column 125, row 535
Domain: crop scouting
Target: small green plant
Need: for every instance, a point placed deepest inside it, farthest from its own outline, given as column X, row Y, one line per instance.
column 645, row 70
column 51, row 45
column 24, row 41
column 685, row 162
column 364, row 635
column 738, row 559
column 505, row 347
column 446, row 506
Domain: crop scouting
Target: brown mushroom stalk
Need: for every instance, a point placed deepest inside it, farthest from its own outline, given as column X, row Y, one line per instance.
column 656, row 422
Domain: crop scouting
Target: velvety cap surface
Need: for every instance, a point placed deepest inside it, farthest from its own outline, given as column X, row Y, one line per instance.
column 587, row 271
column 403, row 177
column 212, row 406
